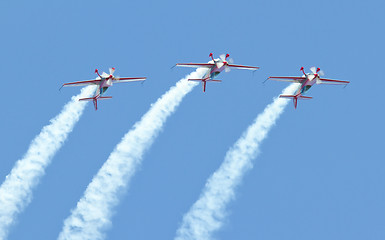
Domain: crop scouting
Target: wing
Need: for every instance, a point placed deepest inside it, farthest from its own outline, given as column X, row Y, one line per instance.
column 196, row 65
column 242, row 67
column 331, row 81
column 122, row 80
column 82, row 83
column 288, row 79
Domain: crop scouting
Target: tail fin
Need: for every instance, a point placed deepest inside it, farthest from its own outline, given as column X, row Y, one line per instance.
column 295, row 98
column 204, row 81
column 95, row 100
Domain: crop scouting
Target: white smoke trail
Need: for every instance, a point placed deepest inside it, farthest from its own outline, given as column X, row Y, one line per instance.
column 209, row 211
column 94, row 210
column 16, row 190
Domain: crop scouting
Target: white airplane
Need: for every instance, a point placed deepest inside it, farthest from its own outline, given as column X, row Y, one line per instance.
column 103, row 81
column 214, row 68
column 306, row 81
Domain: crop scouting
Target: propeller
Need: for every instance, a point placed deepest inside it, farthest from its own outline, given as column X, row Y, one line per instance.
column 224, row 57
column 104, row 75
column 313, row 70
column 318, row 71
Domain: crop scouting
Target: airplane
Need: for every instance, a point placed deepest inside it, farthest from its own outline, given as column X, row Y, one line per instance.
column 103, row 81
column 214, row 68
column 306, row 81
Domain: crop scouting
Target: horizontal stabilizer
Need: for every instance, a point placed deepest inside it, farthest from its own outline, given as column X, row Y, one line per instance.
column 86, row 99
column 295, row 96
column 196, row 79
column 205, row 80
column 305, row 97
column 106, row 97
column 91, row 99
column 287, row 96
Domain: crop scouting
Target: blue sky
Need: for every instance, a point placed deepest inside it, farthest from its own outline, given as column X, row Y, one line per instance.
column 320, row 174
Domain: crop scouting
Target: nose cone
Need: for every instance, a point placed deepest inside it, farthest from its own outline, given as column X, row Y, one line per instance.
column 220, row 64
column 312, row 76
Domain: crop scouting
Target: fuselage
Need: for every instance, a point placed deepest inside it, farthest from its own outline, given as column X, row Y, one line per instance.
column 216, row 70
column 103, row 86
column 311, row 79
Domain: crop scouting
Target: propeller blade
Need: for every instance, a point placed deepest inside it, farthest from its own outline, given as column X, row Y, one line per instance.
column 222, row 57
column 112, row 70
column 313, row 70
column 104, row 75
column 231, row 61
column 227, row 69
column 321, row 73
